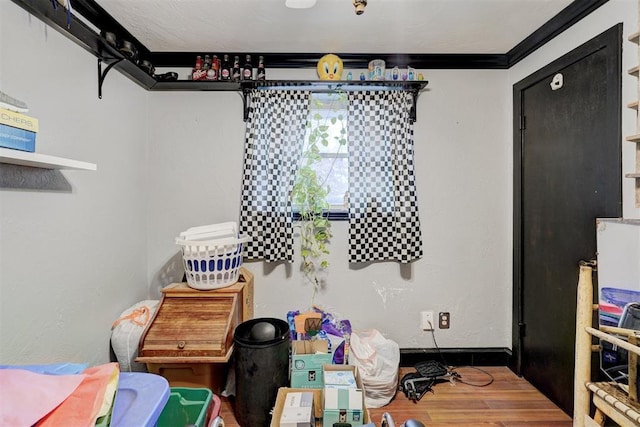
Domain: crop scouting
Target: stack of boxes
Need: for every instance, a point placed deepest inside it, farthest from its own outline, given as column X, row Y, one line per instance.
column 343, row 396
column 335, row 391
column 17, row 131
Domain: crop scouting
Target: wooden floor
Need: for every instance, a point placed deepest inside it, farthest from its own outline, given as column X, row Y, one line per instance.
column 509, row 401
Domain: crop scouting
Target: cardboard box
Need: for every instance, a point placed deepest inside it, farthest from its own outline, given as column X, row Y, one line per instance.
column 334, row 415
column 298, row 410
column 307, row 361
column 317, row 399
column 282, row 396
column 341, row 368
column 340, row 379
column 343, row 405
column 17, row 139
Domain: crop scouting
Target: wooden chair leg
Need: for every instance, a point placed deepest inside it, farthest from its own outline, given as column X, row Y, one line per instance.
column 582, row 373
column 599, row 417
column 633, row 371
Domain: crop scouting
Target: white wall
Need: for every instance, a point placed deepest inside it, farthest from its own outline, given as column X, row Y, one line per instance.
column 71, row 261
column 464, row 184
column 464, row 152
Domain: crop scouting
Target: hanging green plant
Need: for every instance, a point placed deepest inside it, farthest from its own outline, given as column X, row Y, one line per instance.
column 310, row 190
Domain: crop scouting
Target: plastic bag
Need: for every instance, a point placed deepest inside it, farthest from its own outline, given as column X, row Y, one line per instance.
column 126, row 332
column 378, row 361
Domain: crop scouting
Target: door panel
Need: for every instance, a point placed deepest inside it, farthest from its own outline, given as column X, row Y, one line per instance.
column 568, row 174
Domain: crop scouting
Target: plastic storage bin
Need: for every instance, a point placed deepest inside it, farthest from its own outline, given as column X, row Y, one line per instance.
column 212, row 255
column 51, row 369
column 140, row 399
column 187, row 406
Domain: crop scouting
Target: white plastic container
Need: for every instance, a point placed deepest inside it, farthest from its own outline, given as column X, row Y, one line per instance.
column 376, row 69
column 212, row 255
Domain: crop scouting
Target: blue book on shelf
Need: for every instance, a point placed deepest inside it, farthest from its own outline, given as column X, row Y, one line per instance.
column 17, row 139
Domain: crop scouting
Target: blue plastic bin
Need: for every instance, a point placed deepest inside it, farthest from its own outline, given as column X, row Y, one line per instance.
column 51, row 369
column 140, row 399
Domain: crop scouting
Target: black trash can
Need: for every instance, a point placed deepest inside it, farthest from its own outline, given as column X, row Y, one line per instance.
column 261, row 358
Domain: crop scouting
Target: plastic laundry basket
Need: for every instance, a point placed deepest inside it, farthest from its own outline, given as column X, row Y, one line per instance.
column 212, row 255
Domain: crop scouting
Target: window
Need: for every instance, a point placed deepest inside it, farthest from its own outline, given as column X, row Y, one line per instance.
column 377, row 169
column 326, row 150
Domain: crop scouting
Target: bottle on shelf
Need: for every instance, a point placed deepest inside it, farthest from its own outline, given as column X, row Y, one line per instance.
column 198, row 72
column 215, row 68
column 225, row 68
column 236, row 73
column 261, row 74
column 219, row 65
column 247, row 69
column 208, row 67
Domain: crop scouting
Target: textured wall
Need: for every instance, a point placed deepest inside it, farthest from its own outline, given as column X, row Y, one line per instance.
column 72, row 243
column 463, row 161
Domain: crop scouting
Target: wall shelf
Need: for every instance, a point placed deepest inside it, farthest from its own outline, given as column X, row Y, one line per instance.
column 43, row 161
column 313, row 85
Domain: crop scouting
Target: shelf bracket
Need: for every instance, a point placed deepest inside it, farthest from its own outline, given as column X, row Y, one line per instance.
column 413, row 113
column 101, row 75
column 245, row 103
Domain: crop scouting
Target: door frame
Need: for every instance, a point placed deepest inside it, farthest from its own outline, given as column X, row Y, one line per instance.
column 614, row 79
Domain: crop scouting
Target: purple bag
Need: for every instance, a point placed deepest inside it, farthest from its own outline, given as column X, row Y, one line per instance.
column 334, row 330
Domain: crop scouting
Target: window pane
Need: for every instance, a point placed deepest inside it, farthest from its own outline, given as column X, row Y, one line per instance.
column 327, row 117
column 328, row 114
column 336, row 173
column 337, row 142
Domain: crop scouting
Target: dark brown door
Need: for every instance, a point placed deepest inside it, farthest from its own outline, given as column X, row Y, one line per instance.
column 567, row 173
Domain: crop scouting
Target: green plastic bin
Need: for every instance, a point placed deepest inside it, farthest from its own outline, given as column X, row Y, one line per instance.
column 186, row 406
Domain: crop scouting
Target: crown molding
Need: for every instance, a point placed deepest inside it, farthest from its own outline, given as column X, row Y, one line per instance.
column 82, row 30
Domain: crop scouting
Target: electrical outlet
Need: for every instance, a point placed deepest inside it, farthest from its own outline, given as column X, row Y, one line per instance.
column 426, row 320
column 444, row 320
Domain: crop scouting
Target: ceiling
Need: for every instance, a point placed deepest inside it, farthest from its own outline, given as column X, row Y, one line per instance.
column 386, row 26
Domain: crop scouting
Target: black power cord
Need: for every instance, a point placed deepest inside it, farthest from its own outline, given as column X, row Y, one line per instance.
column 455, row 376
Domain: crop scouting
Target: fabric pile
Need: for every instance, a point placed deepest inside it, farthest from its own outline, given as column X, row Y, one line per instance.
column 32, row 396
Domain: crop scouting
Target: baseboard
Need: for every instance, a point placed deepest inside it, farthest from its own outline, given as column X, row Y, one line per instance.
column 491, row 356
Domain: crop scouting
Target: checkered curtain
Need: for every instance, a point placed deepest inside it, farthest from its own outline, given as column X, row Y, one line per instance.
column 274, row 132
column 384, row 224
